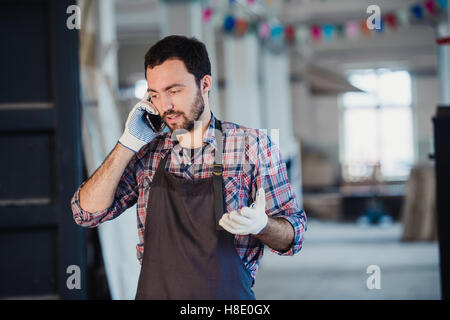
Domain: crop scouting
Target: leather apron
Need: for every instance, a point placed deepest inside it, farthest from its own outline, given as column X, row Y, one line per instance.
column 187, row 255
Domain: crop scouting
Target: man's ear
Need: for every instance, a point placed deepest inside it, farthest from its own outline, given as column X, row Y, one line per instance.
column 207, row 83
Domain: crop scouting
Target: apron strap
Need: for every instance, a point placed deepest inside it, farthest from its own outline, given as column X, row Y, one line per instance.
column 217, row 174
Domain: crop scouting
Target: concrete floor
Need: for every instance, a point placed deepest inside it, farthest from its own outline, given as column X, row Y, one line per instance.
column 334, row 261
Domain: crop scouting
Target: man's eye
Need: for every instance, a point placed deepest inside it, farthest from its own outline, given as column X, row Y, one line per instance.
column 174, row 91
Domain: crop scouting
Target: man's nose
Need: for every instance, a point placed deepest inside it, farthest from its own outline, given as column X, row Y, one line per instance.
column 165, row 104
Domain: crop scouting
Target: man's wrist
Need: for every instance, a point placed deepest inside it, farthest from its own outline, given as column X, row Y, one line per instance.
column 277, row 234
column 127, row 152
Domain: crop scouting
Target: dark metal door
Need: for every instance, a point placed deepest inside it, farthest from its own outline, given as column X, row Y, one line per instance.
column 40, row 157
column 441, row 124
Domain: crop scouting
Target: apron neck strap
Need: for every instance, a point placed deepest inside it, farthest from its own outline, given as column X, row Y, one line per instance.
column 217, row 175
column 218, row 168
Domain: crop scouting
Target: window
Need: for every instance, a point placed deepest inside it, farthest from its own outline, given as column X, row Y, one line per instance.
column 140, row 88
column 377, row 130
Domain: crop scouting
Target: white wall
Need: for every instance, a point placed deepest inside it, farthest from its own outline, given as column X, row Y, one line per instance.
column 316, row 124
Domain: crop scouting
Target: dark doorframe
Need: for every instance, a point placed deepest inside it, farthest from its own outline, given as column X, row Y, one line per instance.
column 442, row 158
column 41, row 158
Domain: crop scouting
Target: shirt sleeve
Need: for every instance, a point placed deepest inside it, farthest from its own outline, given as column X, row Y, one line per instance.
column 271, row 174
column 125, row 196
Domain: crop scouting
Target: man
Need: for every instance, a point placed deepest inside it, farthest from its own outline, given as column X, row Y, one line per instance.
column 203, row 215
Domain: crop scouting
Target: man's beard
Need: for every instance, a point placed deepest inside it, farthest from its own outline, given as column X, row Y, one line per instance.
column 197, row 108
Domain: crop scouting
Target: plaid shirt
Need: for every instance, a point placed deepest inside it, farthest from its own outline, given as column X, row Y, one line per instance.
column 250, row 160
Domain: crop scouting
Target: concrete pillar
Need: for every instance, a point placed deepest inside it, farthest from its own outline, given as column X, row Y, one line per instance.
column 181, row 17
column 277, row 97
column 107, row 74
column 243, row 103
column 209, row 39
column 277, row 110
column 101, row 130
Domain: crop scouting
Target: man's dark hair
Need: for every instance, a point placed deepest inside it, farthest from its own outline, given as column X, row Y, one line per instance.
column 189, row 50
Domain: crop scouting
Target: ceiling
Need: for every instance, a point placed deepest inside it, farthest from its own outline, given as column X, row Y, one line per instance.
column 411, row 47
column 144, row 14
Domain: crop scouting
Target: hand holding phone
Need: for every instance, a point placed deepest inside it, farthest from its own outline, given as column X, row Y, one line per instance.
column 142, row 126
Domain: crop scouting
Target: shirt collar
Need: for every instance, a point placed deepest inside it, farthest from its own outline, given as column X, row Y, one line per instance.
column 209, row 137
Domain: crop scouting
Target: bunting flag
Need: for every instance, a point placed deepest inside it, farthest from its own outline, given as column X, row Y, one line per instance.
column 422, row 11
column 381, row 29
column 316, row 33
column 241, row 26
column 264, row 31
column 229, row 23
column 328, row 31
column 207, row 14
column 403, row 17
column 340, row 31
column 391, row 20
column 417, row 10
column 289, row 33
column 352, row 29
column 364, row 28
column 429, row 5
column 442, row 3
column 277, row 31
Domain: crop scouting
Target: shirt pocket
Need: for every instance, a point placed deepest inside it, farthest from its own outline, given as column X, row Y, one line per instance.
column 232, row 191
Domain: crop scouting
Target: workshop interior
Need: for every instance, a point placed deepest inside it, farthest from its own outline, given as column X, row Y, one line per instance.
column 355, row 93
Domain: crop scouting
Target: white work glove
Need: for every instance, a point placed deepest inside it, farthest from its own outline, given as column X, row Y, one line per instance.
column 137, row 131
column 248, row 220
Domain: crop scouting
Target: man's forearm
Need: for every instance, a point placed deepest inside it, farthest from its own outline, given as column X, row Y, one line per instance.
column 278, row 234
column 98, row 192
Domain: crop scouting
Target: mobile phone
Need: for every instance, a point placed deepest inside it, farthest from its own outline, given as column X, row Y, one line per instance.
column 154, row 120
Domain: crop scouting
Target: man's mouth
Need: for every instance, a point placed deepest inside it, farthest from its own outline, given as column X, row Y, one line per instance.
column 173, row 117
